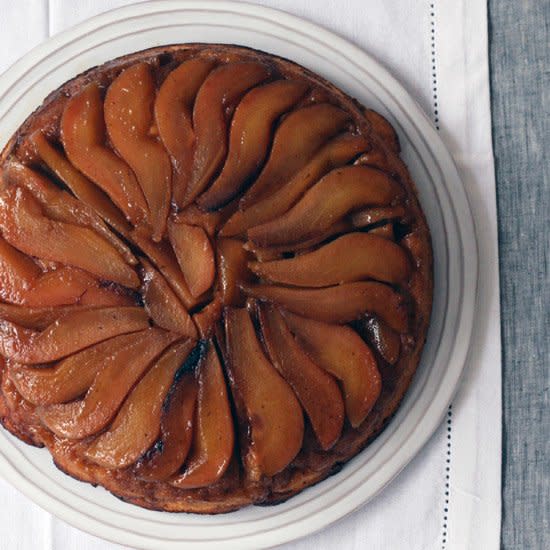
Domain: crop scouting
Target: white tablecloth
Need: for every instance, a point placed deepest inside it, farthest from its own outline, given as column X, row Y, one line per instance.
column 449, row 496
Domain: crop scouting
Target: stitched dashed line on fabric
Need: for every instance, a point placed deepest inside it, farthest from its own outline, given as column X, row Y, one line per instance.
column 445, row 532
column 434, row 73
column 447, row 477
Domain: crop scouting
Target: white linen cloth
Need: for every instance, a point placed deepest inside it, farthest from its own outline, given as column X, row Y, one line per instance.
column 449, row 495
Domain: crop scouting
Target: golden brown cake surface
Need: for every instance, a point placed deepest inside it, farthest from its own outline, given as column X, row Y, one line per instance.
column 215, row 278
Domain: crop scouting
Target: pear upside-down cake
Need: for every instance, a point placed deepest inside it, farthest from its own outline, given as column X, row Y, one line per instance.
column 215, row 278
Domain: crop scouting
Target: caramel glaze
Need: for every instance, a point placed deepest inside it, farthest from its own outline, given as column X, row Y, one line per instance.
column 312, row 464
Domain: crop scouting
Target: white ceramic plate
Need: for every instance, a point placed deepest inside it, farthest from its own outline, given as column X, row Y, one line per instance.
column 24, row 86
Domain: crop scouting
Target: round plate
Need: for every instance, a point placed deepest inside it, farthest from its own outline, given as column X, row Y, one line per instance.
column 133, row 28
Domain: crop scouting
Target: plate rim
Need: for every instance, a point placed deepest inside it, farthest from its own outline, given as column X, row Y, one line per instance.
column 440, row 156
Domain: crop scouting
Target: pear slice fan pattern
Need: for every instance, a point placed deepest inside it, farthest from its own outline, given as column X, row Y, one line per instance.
column 215, row 278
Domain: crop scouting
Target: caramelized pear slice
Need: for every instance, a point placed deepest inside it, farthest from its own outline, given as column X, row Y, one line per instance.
column 163, row 305
column 193, row 215
column 63, row 286
column 22, row 282
column 336, row 152
column 328, row 201
column 100, row 296
column 317, row 390
column 83, row 137
column 386, row 341
column 213, row 436
column 173, row 116
column 70, row 378
column 269, row 253
column 162, row 256
column 82, row 188
column 377, row 158
column 128, row 116
column 338, row 304
column 176, row 424
column 194, row 254
column 233, row 267
column 296, row 140
column 137, row 424
column 24, row 226
column 207, row 318
column 177, row 427
column 272, row 411
column 37, row 318
column 73, row 332
column 250, row 138
column 369, row 216
column 221, row 89
column 61, row 206
column 342, row 352
column 385, row 231
column 264, row 254
column 120, row 372
column 17, row 272
column 352, row 257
